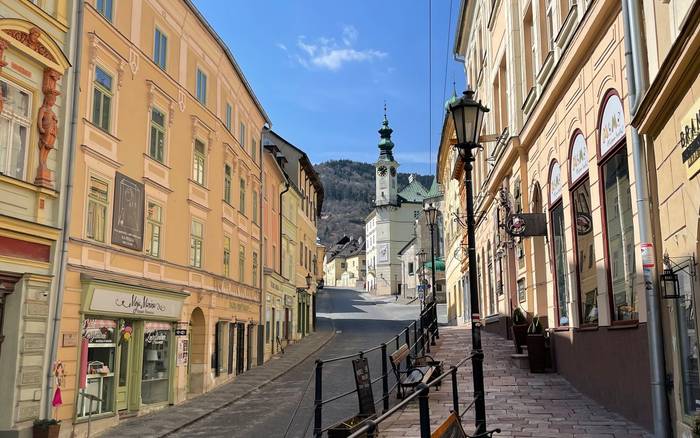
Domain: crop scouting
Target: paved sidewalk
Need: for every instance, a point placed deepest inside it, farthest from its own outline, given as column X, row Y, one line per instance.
column 520, row 403
column 173, row 418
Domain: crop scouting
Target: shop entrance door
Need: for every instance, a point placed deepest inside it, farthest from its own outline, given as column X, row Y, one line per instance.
column 124, row 367
column 249, row 361
column 231, row 334
column 240, row 348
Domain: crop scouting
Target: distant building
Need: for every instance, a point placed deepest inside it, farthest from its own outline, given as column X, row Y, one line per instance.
column 345, row 263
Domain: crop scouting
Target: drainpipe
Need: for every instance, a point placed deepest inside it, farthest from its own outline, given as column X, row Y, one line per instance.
column 286, row 189
column 63, row 257
column 638, row 82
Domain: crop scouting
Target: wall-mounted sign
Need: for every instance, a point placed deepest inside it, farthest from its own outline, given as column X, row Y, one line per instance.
column 690, row 144
column 288, row 301
column 383, row 253
column 127, row 223
column 180, row 332
column 555, row 183
column 105, row 300
column 526, row 224
column 579, row 158
column 182, row 351
column 612, row 124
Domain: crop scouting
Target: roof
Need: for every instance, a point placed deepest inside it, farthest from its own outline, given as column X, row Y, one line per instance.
column 435, row 189
column 405, row 247
column 230, row 57
column 414, row 191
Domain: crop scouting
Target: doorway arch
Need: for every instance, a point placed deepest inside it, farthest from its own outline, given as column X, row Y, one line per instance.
column 197, row 364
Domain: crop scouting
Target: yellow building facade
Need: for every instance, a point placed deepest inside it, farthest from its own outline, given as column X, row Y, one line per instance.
column 162, row 296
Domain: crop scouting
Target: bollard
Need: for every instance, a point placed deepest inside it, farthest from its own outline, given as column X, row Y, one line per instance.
column 408, row 344
column 318, row 399
column 424, row 409
column 385, row 380
column 455, row 394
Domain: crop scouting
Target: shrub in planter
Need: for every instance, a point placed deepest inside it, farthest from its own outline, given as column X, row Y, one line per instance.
column 347, row 427
column 536, row 351
column 519, row 328
column 46, row 428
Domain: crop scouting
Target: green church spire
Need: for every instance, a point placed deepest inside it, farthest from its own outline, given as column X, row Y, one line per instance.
column 385, row 143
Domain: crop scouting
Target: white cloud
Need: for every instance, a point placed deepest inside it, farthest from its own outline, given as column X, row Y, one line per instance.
column 325, row 53
column 281, row 46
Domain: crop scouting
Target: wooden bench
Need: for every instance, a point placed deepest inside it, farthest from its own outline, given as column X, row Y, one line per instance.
column 419, row 370
column 452, row 428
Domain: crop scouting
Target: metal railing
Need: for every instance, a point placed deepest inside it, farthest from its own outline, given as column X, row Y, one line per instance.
column 418, row 335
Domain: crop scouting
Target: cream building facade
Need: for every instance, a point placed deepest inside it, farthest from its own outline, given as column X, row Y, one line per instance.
column 555, row 143
column 162, row 294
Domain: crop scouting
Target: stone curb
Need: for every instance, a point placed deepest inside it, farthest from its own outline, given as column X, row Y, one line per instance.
column 323, row 343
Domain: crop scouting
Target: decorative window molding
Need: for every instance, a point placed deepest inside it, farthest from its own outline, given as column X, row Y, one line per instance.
column 546, row 69
column 566, row 32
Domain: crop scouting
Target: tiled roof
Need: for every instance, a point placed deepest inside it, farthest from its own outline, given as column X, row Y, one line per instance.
column 414, row 191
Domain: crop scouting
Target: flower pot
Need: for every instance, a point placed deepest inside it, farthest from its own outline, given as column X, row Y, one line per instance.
column 519, row 336
column 536, row 352
column 46, row 431
column 347, row 427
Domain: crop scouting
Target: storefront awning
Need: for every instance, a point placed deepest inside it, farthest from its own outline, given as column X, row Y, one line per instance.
column 439, row 265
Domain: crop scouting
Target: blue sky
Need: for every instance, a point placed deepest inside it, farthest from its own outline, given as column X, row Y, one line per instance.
column 323, row 69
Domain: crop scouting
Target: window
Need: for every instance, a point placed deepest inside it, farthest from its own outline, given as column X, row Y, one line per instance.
column 15, row 120
column 410, row 268
column 531, row 50
column 687, row 334
column 585, row 253
column 160, row 48
column 560, row 265
column 255, row 269
column 489, row 279
column 550, row 25
column 241, row 264
column 619, row 235
column 254, row 150
column 255, row 207
column 101, row 335
column 229, row 115
column 154, row 222
column 155, row 382
column 201, row 87
column 196, row 242
column 227, row 183
column 242, row 197
column 104, row 7
column 198, row 163
column 157, row 146
column 97, row 209
column 227, row 256
column 242, row 136
column 102, row 99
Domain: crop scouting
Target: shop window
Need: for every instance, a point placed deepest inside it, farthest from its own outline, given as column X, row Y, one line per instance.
column 199, row 162
column 105, row 8
column 102, row 95
column 156, row 148
column 15, row 120
column 154, row 222
column 100, row 340
column 201, row 87
column 155, row 376
column 160, row 48
column 227, row 256
column 559, row 245
column 97, row 209
column 688, row 340
column 220, row 344
column 196, row 243
column 620, row 235
column 585, row 253
column 228, row 174
column 521, row 291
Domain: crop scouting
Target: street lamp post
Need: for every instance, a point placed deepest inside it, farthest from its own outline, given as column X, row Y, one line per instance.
column 421, row 255
column 431, row 217
column 468, row 116
column 313, row 304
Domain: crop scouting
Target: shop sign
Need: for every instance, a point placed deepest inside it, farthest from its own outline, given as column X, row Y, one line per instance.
column 99, row 331
column 579, row 158
column 180, row 332
column 105, row 300
column 127, row 223
column 526, row 224
column 239, row 307
column 182, row 351
column 690, row 144
column 288, row 301
column 612, row 124
column 555, row 183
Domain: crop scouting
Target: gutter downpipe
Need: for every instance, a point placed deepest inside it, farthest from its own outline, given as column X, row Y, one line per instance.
column 638, row 82
column 286, row 189
column 63, row 261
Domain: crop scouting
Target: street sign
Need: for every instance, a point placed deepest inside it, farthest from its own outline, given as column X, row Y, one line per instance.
column 364, row 386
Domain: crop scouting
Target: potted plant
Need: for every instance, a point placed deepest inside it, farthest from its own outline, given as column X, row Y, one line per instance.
column 519, row 328
column 47, row 428
column 347, row 427
column 536, row 351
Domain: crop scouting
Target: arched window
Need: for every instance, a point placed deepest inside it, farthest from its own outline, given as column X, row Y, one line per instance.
column 584, row 248
column 559, row 266
column 618, row 230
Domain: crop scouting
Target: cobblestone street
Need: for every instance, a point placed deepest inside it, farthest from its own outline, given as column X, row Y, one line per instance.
column 518, row 402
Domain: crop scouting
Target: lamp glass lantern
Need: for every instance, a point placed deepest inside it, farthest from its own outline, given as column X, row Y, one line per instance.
column 430, row 214
column 669, row 284
column 468, row 116
column 308, row 281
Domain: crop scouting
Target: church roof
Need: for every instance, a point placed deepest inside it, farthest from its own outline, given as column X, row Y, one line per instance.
column 414, row 191
column 435, row 189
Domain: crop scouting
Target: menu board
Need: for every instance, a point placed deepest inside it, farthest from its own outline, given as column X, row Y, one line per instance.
column 363, row 383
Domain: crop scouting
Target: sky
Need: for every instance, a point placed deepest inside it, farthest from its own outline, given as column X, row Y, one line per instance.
column 323, row 70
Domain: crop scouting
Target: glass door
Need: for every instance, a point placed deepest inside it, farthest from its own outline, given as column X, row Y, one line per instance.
column 125, row 333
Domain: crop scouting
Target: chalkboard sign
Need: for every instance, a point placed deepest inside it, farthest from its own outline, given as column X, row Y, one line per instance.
column 363, row 383
column 451, row 428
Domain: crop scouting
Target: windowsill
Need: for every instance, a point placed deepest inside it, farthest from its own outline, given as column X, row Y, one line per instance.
column 624, row 324
column 27, row 185
column 99, row 128
column 587, row 328
column 197, row 184
column 159, row 163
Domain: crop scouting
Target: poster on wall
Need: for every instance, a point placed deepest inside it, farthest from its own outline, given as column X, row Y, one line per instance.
column 383, row 253
column 182, row 351
column 127, row 222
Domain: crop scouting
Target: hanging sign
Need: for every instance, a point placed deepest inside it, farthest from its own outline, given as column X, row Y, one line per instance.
column 526, row 224
column 579, row 158
column 690, row 143
column 555, row 183
column 612, row 124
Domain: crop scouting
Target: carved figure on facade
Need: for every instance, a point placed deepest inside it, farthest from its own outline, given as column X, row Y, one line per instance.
column 47, row 124
column 31, row 40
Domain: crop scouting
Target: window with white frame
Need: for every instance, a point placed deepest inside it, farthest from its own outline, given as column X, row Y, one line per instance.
column 196, row 243
column 228, row 173
column 154, row 223
column 98, row 201
column 201, row 87
column 15, row 120
column 199, row 162
column 160, row 48
column 156, row 148
column 227, row 256
column 241, row 206
column 102, row 95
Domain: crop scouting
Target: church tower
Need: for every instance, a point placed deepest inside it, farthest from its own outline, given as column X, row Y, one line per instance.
column 386, row 167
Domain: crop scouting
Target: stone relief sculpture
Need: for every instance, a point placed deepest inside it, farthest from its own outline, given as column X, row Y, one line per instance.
column 47, row 124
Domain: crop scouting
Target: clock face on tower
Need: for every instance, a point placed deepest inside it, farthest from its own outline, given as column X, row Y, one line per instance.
column 381, row 170
column 393, row 171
